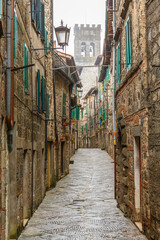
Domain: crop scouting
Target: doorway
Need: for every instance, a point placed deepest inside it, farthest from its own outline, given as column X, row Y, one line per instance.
column 137, row 179
column 25, row 189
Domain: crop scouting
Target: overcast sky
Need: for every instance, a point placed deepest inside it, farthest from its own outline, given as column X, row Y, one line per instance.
column 79, row 12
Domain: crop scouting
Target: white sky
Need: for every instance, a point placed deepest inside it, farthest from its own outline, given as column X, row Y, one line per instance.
column 79, row 12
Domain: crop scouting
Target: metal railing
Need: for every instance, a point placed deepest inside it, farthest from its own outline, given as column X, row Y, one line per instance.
column 59, row 62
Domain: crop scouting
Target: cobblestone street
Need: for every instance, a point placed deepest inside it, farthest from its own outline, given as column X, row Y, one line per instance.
column 82, row 205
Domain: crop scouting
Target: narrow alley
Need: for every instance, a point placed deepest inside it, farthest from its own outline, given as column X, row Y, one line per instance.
column 82, row 205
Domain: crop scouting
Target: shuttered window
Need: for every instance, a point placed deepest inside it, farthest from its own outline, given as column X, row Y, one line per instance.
column 64, row 105
column 1, row 9
column 42, row 21
column 77, row 113
column 38, row 15
column 128, row 44
column 104, row 114
column 42, row 93
column 33, row 13
column 26, row 86
column 47, row 112
column 82, row 128
column 15, row 38
column 38, row 91
column 118, row 65
column 86, row 127
column 46, row 42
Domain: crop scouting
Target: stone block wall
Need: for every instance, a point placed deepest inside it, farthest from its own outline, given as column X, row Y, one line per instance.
column 132, row 117
column 153, row 53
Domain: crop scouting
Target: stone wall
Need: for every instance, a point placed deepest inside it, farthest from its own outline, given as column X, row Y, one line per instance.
column 153, row 53
column 132, row 117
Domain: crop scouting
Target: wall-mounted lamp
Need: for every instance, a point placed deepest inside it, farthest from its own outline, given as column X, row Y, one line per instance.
column 62, row 34
column 80, row 91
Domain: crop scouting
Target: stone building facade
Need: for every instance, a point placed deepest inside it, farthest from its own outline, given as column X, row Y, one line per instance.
column 132, row 158
column 33, row 156
column 153, row 73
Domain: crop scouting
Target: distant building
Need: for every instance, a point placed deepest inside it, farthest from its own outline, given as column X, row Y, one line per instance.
column 86, row 49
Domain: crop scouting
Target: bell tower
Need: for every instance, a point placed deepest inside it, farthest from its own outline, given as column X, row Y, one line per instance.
column 86, row 43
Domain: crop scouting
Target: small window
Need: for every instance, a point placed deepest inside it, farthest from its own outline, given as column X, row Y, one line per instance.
column 83, row 49
column 92, row 50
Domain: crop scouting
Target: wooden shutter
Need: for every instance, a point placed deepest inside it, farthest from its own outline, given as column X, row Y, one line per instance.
column 42, row 21
column 1, row 9
column 26, row 87
column 82, row 114
column 38, row 90
column 38, row 15
column 42, row 93
column 64, row 105
column 128, row 44
column 47, row 115
column 77, row 113
column 15, row 38
column 118, row 65
column 33, row 14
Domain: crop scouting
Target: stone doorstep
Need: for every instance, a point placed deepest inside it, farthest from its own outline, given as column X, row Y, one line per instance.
column 139, row 226
column 25, row 221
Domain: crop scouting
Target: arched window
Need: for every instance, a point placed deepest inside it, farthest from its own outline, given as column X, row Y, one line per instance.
column 83, row 49
column 92, row 50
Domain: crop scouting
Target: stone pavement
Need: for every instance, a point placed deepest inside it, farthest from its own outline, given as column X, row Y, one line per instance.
column 82, row 205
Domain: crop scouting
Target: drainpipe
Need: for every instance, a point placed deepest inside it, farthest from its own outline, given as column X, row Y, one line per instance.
column 54, row 94
column 8, row 91
column 12, row 63
column 113, row 97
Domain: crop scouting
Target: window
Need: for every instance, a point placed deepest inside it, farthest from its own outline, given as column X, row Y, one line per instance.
column 77, row 113
column 43, row 94
column 1, row 9
column 64, row 105
column 38, row 90
column 47, row 110
column 26, row 87
column 83, row 49
column 82, row 129
column 92, row 50
column 86, row 127
column 118, row 65
column 38, row 17
column 128, row 44
column 15, row 38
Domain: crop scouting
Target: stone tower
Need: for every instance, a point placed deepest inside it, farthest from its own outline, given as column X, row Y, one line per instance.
column 87, row 43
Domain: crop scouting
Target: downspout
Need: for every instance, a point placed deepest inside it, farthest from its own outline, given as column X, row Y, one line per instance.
column 54, row 92
column 113, row 97
column 12, row 63
column 8, row 91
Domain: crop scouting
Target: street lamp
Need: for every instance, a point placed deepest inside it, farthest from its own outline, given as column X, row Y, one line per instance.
column 80, row 91
column 62, row 34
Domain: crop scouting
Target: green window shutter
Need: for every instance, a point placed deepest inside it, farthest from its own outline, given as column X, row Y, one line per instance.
column 26, row 87
column 38, row 90
column 46, row 43
column 128, row 44
column 42, row 21
column 86, row 127
column 118, row 65
column 15, row 38
column 33, row 14
column 64, row 105
column 42, row 93
column 82, row 129
column 77, row 113
column 38, row 14
column 1, row 9
column 104, row 114
column 47, row 112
